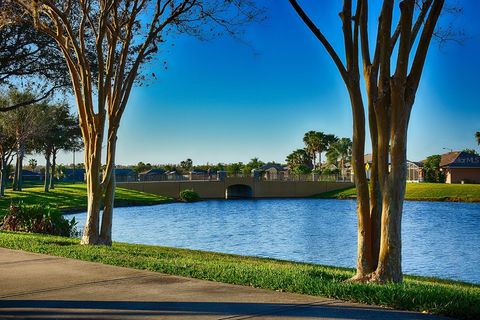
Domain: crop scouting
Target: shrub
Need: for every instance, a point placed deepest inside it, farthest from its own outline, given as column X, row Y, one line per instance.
column 37, row 218
column 189, row 195
column 331, row 171
column 301, row 169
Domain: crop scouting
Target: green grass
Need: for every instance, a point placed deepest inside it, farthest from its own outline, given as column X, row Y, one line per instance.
column 73, row 197
column 424, row 191
column 449, row 298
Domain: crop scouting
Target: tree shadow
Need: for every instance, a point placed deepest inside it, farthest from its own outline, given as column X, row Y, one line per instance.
column 138, row 309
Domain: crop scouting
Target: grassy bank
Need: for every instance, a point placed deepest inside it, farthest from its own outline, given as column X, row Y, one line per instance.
column 424, row 192
column 454, row 299
column 73, row 197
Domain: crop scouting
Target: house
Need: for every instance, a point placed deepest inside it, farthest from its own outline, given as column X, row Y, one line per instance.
column 414, row 169
column 175, row 176
column 460, row 167
column 28, row 175
column 153, row 175
column 272, row 171
column 125, row 175
column 202, row 174
column 77, row 174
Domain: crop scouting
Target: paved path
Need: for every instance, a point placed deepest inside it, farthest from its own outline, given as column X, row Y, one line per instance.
column 40, row 286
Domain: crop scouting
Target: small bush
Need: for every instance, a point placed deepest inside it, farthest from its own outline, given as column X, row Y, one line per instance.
column 189, row 195
column 37, row 218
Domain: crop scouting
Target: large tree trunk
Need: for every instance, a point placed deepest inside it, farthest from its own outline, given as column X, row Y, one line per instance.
column 54, row 165
column 109, row 200
column 47, row 172
column 3, row 176
column 389, row 267
column 364, row 240
column 375, row 191
column 93, row 155
column 18, row 176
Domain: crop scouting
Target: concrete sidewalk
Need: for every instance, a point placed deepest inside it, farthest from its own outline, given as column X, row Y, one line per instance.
column 41, row 286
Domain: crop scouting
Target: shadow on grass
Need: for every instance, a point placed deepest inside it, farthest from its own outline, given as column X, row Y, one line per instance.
column 139, row 309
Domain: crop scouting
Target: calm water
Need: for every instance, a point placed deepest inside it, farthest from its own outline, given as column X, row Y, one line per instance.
column 439, row 238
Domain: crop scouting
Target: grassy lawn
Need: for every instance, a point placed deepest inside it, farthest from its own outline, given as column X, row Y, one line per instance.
column 455, row 299
column 424, row 191
column 74, row 197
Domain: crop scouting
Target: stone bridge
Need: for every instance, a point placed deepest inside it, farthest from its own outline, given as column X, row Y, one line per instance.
column 235, row 188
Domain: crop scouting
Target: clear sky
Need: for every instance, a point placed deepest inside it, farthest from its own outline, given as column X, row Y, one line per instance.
column 225, row 101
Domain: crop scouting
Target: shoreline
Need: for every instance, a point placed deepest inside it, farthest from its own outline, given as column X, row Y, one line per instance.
column 67, row 211
column 445, row 199
column 425, row 294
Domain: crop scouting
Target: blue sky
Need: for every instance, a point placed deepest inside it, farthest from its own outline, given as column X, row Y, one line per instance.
column 225, row 101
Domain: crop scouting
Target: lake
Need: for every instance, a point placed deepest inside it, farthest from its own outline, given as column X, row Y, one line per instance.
column 440, row 239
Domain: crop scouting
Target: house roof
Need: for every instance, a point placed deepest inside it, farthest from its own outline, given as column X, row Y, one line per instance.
column 124, row 171
column 68, row 171
column 276, row 166
column 153, row 172
column 200, row 171
column 368, row 159
column 26, row 173
column 460, row 159
column 417, row 163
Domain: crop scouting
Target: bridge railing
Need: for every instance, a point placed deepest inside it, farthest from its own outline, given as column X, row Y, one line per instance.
column 267, row 176
column 259, row 177
column 304, row 177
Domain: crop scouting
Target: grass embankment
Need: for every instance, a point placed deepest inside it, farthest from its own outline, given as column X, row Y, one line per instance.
column 423, row 192
column 455, row 299
column 73, row 197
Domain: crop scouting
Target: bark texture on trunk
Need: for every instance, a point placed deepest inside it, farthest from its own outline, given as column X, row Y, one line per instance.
column 47, row 172
column 364, row 238
column 3, row 177
column 109, row 200
column 389, row 267
column 18, row 176
column 93, row 166
column 54, row 166
column 106, row 230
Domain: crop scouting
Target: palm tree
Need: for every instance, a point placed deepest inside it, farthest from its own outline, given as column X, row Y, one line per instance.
column 317, row 142
column 342, row 149
column 298, row 157
column 477, row 135
column 326, row 141
column 312, row 140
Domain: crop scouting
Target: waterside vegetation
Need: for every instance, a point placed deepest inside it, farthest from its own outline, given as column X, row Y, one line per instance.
column 450, row 298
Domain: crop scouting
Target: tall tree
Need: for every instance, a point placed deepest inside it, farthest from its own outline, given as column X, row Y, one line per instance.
column 23, row 124
column 312, row 140
column 316, row 143
column 477, row 136
column 125, row 35
column 61, row 132
column 391, row 79
column 7, row 152
column 299, row 157
column 341, row 151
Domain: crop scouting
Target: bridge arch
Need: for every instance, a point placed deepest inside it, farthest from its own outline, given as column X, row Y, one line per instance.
column 239, row 191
